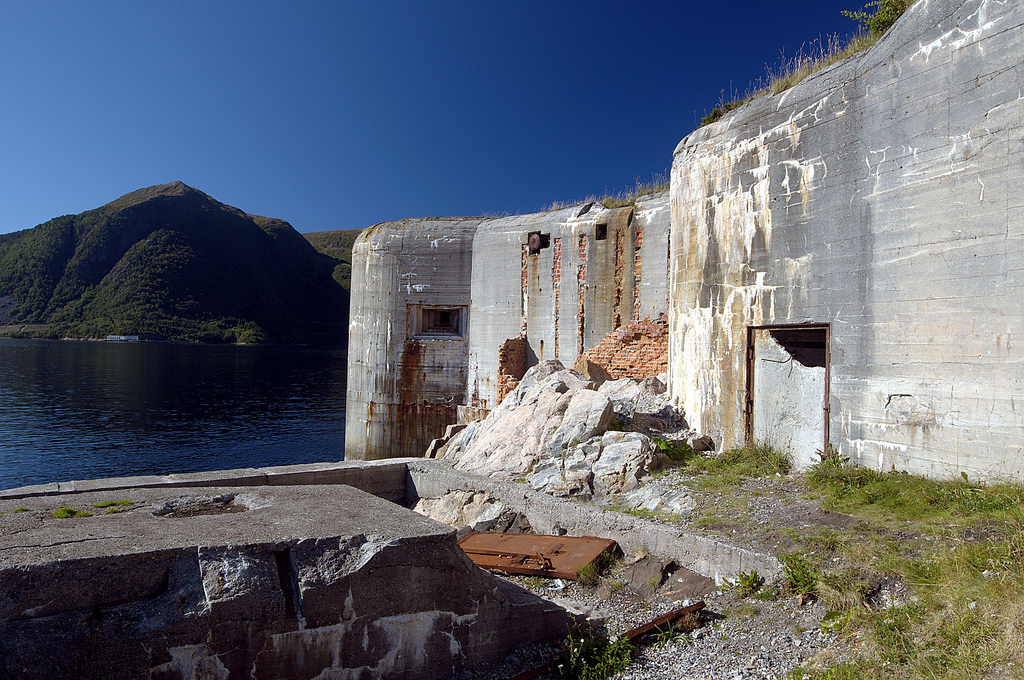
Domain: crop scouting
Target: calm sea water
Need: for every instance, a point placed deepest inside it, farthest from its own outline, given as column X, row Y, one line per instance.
column 84, row 410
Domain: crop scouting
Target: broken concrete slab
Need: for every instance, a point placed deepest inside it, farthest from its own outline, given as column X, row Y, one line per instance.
column 260, row 582
column 647, row 574
column 686, row 585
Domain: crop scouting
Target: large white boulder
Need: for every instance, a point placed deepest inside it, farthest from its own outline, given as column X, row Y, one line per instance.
column 549, row 410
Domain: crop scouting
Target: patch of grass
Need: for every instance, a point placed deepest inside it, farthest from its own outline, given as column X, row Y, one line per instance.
column 110, row 504
column 751, row 460
column 658, row 183
column 64, row 512
column 819, row 54
column 898, row 495
column 20, row 509
column 746, row 610
column 591, row 573
column 592, row 655
column 962, row 557
column 844, row 590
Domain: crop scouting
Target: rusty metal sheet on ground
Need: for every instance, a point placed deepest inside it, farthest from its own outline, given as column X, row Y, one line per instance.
column 534, row 554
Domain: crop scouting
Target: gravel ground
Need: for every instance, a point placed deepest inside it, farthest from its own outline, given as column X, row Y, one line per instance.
column 738, row 638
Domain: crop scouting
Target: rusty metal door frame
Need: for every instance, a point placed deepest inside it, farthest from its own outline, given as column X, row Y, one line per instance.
column 748, row 399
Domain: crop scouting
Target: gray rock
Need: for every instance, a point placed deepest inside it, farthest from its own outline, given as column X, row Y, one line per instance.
column 655, row 499
column 625, row 458
column 623, row 393
column 540, row 419
column 591, row 371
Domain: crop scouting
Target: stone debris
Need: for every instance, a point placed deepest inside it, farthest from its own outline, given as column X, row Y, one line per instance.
column 550, row 409
column 655, row 498
column 552, row 432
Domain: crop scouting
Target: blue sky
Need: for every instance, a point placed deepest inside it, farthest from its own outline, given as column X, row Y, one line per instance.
column 339, row 115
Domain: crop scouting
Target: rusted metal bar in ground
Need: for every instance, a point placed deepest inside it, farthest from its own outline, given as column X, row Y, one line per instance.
column 662, row 620
column 536, row 672
column 631, row 635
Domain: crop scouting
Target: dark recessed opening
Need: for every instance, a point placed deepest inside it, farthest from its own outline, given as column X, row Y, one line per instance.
column 537, row 241
column 585, row 209
column 807, row 345
column 436, row 321
column 601, row 232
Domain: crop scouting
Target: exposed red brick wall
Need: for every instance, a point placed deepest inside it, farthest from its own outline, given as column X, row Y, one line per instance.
column 618, row 278
column 581, row 287
column 511, row 365
column 637, row 270
column 637, row 350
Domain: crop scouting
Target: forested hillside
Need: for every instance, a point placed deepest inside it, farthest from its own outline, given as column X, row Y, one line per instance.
column 170, row 262
column 337, row 244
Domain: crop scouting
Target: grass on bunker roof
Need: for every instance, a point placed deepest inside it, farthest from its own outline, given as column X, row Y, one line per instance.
column 924, row 577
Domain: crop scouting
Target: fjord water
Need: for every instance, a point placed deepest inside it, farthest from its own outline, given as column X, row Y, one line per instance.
column 85, row 410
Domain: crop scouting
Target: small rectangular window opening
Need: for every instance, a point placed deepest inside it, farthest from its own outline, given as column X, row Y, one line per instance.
column 601, row 232
column 437, row 322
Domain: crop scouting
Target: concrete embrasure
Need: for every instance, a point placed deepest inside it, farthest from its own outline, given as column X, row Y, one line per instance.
column 254, row 582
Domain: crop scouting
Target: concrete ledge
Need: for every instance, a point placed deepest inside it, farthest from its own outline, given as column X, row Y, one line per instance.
column 267, row 582
column 706, row 556
column 385, row 479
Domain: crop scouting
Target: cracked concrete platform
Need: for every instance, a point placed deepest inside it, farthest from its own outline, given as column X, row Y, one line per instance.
column 260, row 582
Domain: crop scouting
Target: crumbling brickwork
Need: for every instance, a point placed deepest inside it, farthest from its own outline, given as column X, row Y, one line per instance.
column 637, row 270
column 581, row 283
column 511, row 365
column 637, row 350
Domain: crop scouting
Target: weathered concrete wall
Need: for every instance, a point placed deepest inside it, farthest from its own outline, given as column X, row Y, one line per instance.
column 260, row 583
column 408, row 335
column 880, row 197
column 595, row 269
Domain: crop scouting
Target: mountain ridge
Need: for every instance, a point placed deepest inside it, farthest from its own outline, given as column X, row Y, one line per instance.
column 172, row 262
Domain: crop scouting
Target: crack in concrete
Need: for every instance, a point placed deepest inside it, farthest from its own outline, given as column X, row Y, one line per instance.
column 53, row 545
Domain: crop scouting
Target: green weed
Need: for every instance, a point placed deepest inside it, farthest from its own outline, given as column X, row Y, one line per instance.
column 745, row 584
column 678, row 451
column 591, row 573
column 800, row 575
column 20, row 509
column 751, row 460
column 591, row 655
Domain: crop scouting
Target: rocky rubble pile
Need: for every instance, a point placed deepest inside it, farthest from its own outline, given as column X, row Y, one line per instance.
column 569, row 433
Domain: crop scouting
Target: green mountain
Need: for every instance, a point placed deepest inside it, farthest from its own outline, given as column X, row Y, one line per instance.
column 169, row 261
column 337, row 244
